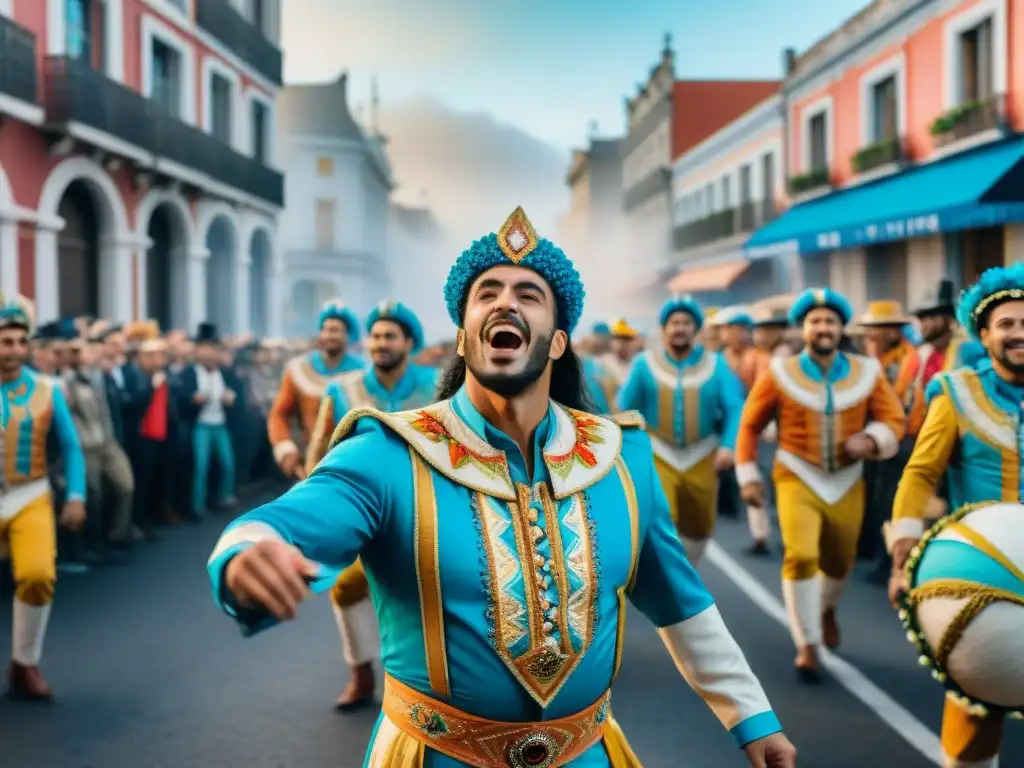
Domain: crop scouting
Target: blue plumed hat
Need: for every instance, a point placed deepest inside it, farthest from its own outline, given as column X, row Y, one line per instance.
column 601, row 329
column 994, row 287
column 335, row 309
column 735, row 315
column 397, row 312
column 681, row 304
column 517, row 244
column 813, row 298
column 17, row 312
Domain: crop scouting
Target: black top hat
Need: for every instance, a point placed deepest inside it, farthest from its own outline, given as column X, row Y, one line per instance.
column 207, row 334
column 942, row 301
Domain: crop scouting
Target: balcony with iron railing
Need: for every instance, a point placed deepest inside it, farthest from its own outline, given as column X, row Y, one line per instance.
column 970, row 119
column 720, row 225
column 815, row 180
column 77, row 93
column 242, row 37
column 18, row 77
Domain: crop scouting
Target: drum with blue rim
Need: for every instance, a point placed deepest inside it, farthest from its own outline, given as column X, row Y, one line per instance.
column 964, row 610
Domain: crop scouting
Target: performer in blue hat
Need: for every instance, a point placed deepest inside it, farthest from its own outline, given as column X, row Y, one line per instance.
column 969, row 434
column 691, row 402
column 31, row 401
column 607, row 365
column 833, row 410
column 393, row 383
column 561, row 505
column 305, row 381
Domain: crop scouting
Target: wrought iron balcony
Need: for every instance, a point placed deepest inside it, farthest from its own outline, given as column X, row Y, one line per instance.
column 202, row 152
column 812, row 181
column 18, row 62
column 733, row 221
column 240, row 35
column 970, row 119
column 77, row 93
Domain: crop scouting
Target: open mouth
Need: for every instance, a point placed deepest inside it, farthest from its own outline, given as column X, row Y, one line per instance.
column 1015, row 346
column 505, row 337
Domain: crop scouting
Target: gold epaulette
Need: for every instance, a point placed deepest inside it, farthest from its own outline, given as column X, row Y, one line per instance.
column 629, row 420
column 348, row 422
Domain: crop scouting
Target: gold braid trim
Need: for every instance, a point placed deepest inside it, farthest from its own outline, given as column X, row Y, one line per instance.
column 1006, row 293
column 979, row 598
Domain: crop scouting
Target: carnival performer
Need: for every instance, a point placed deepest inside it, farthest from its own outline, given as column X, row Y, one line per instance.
column 734, row 326
column 305, row 381
column 393, row 383
column 833, row 410
column 691, row 403
column 884, row 325
column 606, row 369
column 971, row 427
column 508, row 661
column 770, row 326
column 30, row 409
column 946, row 347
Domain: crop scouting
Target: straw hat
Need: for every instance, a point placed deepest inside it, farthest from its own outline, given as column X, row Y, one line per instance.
column 884, row 313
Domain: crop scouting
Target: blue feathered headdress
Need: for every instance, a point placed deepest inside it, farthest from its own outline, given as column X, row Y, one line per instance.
column 601, row 329
column 681, row 304
column 17, row 312
column 813, row 298
column 994, row 287
column 397, row 312
column 517, row 244
column 335, row 309
column 735, row 315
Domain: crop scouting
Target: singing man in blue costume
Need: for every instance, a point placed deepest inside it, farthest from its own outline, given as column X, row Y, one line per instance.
column 692, row 402
column 502, row 633
column 31, row 407
column 394, row 383
column 972, row 432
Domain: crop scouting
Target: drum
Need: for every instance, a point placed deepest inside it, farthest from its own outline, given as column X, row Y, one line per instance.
column 964, row 610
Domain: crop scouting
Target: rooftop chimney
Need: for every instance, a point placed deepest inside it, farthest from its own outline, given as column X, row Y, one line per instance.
column 788, row 61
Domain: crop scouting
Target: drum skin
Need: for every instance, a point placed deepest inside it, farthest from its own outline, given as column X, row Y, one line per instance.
column 965, row 609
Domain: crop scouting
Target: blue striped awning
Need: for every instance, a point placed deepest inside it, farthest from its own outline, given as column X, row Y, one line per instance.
column 978, row 188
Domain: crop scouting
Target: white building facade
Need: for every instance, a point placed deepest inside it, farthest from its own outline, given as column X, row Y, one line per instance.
column 723, row 189
column 137, row 176
column 338, row 185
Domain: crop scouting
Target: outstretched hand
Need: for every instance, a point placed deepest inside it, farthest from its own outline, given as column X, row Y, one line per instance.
column 271, row 575
column 773, row 751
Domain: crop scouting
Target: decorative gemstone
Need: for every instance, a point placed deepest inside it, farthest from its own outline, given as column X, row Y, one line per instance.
column 553, row 613
column 536, row 532
column 532, row 515
column 517, row 239
column 548, row 627
column 538, row 561
column 535, row 754
column 544, row 603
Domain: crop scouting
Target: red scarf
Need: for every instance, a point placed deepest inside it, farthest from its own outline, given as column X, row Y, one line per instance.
column 154, row 423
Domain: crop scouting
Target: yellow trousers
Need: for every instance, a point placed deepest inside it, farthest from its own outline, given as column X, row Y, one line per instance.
column 31, row 537
column 692, row 496
column 968, row 738
column 817, row 536
column 351, row 586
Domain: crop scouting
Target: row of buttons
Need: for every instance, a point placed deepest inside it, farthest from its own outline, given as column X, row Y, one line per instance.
column 542, row 577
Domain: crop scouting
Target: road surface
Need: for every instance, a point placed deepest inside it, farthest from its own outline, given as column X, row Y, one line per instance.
column 150, row 675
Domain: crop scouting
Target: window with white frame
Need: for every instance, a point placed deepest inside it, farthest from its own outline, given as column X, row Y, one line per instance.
column 325, row 212
column 768, row 178
column 726, row 192
column 221, row 119
column 746, row 184
column 709, row 195
column 167, row 78
column 259, row 121
column 817, row 142
column 976, row 73
column 84, row 31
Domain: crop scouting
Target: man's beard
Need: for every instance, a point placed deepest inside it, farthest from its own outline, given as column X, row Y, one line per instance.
column 823, row 351
column 388, row 362
column 1017, row 369
column 935, row 333
column 512, row 384
column 679, row 345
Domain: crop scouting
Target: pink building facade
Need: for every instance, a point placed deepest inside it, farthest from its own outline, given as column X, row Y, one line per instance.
column 137, row 168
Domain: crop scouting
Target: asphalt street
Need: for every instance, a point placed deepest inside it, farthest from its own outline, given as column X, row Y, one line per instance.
column 150, row 675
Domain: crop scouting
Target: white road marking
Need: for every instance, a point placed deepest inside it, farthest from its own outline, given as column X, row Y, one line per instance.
column 907, row 727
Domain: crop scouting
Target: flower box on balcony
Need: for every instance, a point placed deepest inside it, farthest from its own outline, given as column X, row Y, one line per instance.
column 885, row 152
column 812, row 180
column 967, row 120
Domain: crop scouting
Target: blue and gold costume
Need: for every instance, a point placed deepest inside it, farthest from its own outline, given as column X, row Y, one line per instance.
column 605, row 374
column 31, row 407
column 304, row 383
column 416, row 388
column 502, row 636
column 692, row 408
column 973, row 431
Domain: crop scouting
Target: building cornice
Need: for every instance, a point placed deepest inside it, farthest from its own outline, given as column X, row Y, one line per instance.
column 758, row 121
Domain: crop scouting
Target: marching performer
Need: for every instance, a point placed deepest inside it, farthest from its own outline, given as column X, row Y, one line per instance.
column 691, row 402
column 31, row 406
column 734, row 326
column 884, row 324
column 501, row 636
column 971, row 427
column 606, row 370
column 305, row 381
column 394, row 383
column 946, row 347
column 833, row 411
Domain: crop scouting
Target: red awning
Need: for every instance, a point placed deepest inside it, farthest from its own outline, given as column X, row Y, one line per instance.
column 713, row 278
